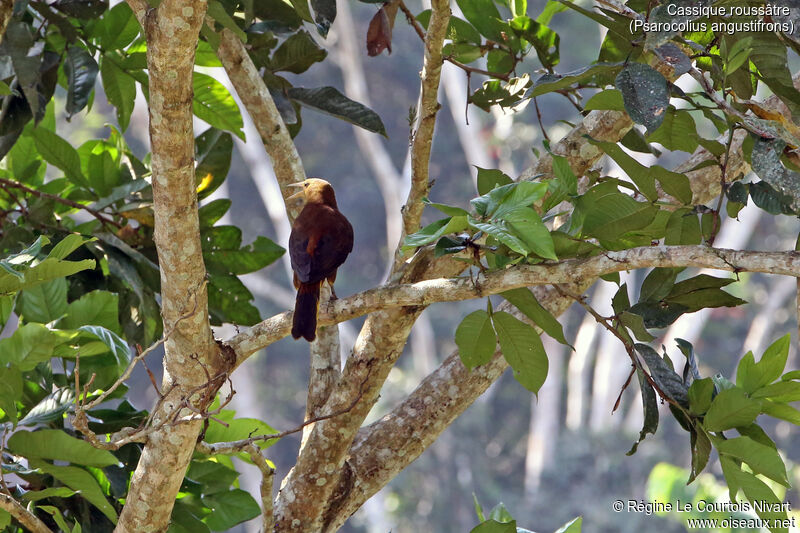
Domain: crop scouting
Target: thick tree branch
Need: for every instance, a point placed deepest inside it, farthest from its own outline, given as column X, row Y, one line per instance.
column 27, row 519
column 6, row 9
column 259, row 104
column 171, row 31
column 424, row 293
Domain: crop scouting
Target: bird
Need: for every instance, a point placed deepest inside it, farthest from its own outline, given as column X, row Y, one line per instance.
column 320, row 241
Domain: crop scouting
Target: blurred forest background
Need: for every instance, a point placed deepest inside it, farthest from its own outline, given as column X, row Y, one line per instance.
column 547, row 460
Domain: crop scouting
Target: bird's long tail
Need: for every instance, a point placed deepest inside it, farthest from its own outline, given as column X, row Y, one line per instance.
column 304, row 323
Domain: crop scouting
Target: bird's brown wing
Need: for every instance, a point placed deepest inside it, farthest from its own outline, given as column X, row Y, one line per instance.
column 326, row 253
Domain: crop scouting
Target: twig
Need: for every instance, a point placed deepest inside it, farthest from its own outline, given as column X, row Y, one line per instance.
column 539, row 118
column 267, row 478
column 603, row 321
column 466, row 68
column 725, row 106
column 722, row 179
column 28, row 520
column 6, row 183
column 236, row 446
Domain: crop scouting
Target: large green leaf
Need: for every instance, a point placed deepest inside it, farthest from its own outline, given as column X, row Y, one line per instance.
column 214, row 104
column 118, row 27
column 115, row 343
column 224, row 253
column 297, row 53
column 555, row 82
column 761, row 458
column 97, row 308
column 55, row 445
column 610, row 216
column 475, row 339
column 330, row 101
column 10, row 391
column 524, row 300
column 120, row 89
column 81, row 70
column 752, row 376
column 50, row 408
column 45, row 271
column 60, row 154
column 731, row 408
column 28, row 346
column 523, row 349
column 214, row 149
column 484, row 16
column 528, row 226
column 79, row 480
column 230, row 508
column 44, row 302
column 645, row 94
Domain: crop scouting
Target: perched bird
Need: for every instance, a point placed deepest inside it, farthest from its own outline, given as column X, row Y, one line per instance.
column 320, row 241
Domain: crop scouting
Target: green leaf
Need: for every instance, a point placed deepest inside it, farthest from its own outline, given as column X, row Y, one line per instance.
column 214, row 476
column 640, row 175
column 665, row 377
column 29, row 345
column 450, row 210
column 50, row 408
column 751, row 376
column 490, row 178
column 60, row 154
column 678, row 131
column 529, row 227
column 119, row 348
column 67, row 245
column 230, row 508
column 330, row 101
column 223, row 252
column 51, row 492
column 609, row 99
column 44, row 302
column 522, row 349
column 781, row 411
column 650, row 407
column 701, row 450
column 524, row 300
column 432, row 232
column 645, row 94
column 10, row 391
column 56, row 445
column 120, row 89
column 612, row 215
column 211, row 212
column 782, row 391
column 635, row 323
column 238, row 428
column 701, row 392
column 523, row 194
column 475, row 339
column 731, row 408
column 658, row 284
column 214, row 104
column 493, row 526
column 79, row 480
column 483, row 14
column 683, row 227
column 213, row 152
column 297, row 54
column 760, row 458
column 217, row 11
column 117, row 28
column 81, row 71
column 500, row 231
column 95, row 308
column 574, row 525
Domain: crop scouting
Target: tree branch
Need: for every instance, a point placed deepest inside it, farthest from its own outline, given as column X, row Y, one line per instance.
column 6, row 184
column 424, row 293
column 428, row 108
column 27, row 519
column 259, row 104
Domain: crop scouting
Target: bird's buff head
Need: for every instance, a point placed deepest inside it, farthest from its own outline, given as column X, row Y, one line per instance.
column 315, row 191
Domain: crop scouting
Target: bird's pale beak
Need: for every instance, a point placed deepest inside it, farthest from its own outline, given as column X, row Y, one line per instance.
column 298, row 194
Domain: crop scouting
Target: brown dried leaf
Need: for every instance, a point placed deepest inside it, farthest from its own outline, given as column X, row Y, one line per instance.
column 379, row 33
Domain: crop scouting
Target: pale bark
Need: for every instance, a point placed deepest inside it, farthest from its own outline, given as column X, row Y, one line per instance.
column 27, row 519
column 6, row 9
column 172, row 31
